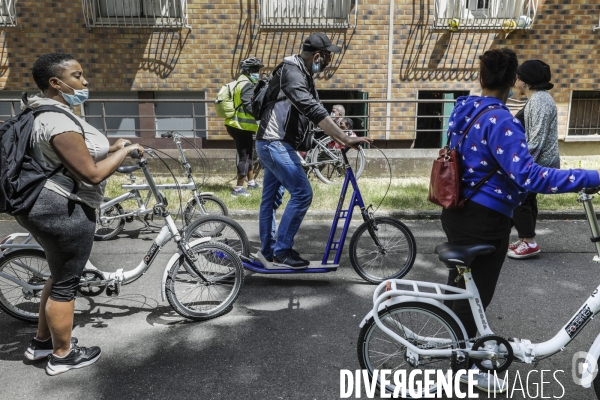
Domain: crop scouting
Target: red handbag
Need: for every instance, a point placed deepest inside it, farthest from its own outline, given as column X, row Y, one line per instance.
column 445, row 180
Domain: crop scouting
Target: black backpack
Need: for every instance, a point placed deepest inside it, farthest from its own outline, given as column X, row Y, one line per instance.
column 21, row 177
column 261, row 95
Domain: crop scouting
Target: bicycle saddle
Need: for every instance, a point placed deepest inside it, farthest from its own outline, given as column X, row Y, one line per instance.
column 457, row 254
column 127, row 169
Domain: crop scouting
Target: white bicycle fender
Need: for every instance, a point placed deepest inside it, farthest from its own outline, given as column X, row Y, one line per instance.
column 206, row 193
column 173, row 260
column 411, row 299
column 592, row 360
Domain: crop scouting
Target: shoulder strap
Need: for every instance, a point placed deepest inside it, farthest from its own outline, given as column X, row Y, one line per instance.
column 466, row 131
column 492, row 172
column 43, row 109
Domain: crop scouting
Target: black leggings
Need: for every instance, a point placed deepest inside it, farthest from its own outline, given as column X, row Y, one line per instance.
column 244, row 145
column 477, row 224
column 525, row 216
column 65, row 229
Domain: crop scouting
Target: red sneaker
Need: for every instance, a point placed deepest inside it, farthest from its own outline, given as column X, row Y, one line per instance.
column 524, row 251
column 514, row 245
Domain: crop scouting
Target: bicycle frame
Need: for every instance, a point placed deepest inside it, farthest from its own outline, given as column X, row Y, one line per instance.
column 134, row 189
column 120, row 277
column 523, row 349
column 332, row 244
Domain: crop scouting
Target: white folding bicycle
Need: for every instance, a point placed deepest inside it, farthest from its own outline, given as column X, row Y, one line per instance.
column 410, row 327
column 201, row 281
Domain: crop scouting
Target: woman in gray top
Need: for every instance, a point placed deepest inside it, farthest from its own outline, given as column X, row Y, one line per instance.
column 539, row 117
column 62, row 218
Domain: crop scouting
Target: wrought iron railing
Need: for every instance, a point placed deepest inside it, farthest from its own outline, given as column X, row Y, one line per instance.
column 135, row 13
column 8, row 14
column 505, row 15
column 196, row 118
column 307, row 14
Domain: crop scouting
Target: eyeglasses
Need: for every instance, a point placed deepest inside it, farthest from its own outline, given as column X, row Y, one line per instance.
column 326, row 56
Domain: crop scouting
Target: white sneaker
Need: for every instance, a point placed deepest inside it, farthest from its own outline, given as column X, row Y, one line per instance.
column 486, row 382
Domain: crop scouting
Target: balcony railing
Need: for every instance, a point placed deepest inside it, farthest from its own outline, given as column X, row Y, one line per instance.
column 8, row 15
column 504, row 15
column 135, row 13
column 308, row 14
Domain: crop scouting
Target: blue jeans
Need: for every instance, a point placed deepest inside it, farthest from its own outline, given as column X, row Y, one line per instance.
column 283, row 171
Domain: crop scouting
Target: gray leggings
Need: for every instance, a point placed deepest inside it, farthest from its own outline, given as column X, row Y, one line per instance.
column 65, row 229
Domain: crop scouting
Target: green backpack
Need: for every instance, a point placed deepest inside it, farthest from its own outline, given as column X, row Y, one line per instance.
column 224, row 102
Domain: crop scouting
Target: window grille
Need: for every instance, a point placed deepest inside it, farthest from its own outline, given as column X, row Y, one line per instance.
column 113, row 118
column 308, row 14
column 8, row 15
column 584, row 114
column 135, row 13
column 505, row 15
column 189, row 119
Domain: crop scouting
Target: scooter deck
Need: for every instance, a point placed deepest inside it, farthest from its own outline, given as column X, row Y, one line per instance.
column 261, row 265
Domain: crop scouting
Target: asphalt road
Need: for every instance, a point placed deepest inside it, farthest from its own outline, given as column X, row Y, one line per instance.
column 288, row 337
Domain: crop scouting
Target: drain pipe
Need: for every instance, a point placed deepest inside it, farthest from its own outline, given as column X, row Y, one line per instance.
column 389, row 73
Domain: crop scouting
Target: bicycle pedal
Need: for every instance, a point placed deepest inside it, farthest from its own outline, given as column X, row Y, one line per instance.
column 113, row 290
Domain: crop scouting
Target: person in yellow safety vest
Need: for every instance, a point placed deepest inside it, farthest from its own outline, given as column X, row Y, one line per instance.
column 242, row 125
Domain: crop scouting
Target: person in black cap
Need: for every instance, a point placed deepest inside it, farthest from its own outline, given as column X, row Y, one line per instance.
column 292, row 102
column 539, row 117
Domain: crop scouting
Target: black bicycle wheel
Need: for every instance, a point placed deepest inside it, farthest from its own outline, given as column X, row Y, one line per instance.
column 331, row 168
column 422, row 324
column 109, row 229
column 28, row 266
column 391, row 259
column 210, row 205
column 202, row 299
column 220, row 229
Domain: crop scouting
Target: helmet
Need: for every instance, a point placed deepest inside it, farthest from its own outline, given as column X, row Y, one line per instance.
column 251, row 62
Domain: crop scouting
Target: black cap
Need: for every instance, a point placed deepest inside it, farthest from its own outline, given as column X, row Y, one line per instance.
column 536, row 74
column 318, row 41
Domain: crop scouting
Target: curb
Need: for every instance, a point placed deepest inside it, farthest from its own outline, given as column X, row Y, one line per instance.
column 327, row 215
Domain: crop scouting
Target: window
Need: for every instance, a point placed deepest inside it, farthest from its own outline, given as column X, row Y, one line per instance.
column 309, row 14
column 136, row 13
column 186, row 117
column 505, row 15
column 115, row 118
column 584, row 115
column 9, row 104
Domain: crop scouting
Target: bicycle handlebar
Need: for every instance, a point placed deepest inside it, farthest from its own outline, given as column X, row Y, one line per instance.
column 167, row 135
column 134, row 154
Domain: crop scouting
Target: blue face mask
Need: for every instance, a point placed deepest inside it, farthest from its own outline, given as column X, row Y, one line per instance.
column 254, row 77
column 316, row 67
column 511, row 93
column 79, row 96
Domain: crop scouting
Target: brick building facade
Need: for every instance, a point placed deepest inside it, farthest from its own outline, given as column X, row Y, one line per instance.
column 165, row 63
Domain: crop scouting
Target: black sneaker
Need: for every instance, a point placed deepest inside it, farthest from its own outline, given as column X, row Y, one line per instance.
column 291, row 259
column 78, row 357
column 41, row 349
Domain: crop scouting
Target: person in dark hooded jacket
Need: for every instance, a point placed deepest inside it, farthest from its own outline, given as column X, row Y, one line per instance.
column 293, row 102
